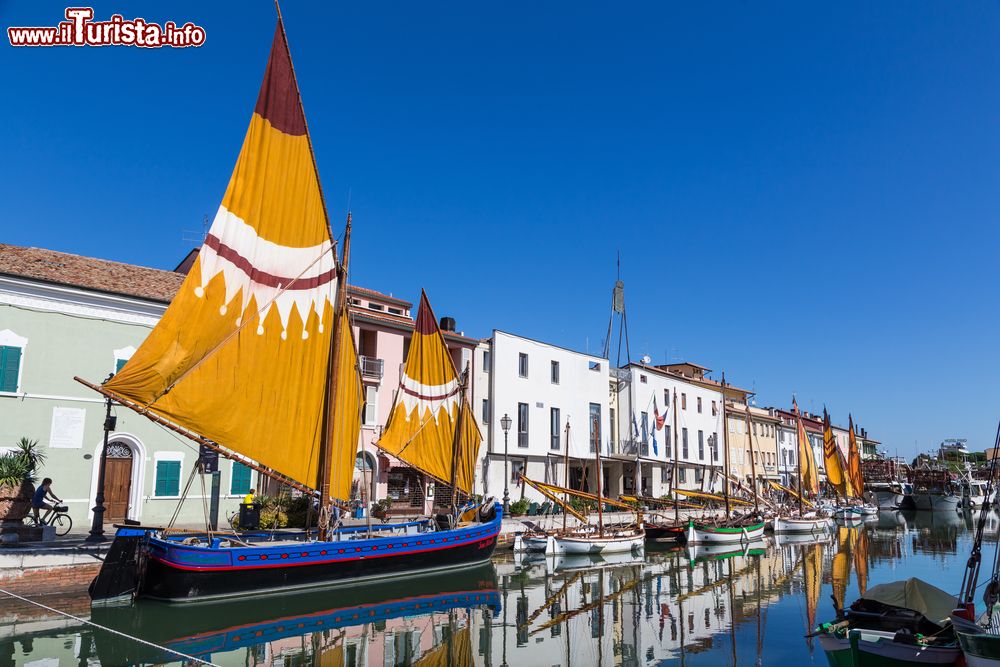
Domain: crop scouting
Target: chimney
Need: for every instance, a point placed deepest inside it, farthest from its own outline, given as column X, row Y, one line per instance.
column 448, row 324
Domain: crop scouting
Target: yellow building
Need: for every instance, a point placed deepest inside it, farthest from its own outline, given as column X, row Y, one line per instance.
column 752, row 441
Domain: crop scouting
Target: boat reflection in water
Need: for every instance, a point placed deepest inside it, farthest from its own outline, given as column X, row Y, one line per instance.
column 715, row 605
column 428, row 616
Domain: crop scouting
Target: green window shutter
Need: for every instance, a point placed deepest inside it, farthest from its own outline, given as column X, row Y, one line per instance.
column 168, row 478
column 119, row 364
column 10, row 364
column 240, row 482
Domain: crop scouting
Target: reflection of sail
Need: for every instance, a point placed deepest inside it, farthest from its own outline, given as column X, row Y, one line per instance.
column 813, row 565
column 859, row 548
column 455, row 652
column 841, row 565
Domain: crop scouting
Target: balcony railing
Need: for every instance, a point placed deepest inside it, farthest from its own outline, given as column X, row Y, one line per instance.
column 371, row 367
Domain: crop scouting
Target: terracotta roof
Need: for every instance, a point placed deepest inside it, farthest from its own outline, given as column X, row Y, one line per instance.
column 403, row 322
column 89, row 273
column 354, row 289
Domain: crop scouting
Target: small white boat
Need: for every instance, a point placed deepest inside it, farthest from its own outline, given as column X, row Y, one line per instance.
column 529, row 542
column 849, row 514
column 613, row 541
column 801, row 525
column 707, row 534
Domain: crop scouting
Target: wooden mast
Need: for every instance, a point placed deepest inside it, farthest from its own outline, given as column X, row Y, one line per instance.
column 333, row 372
column 798, row 455
column 566, row 474
column 600, row 501
column 753, row 462
column 677, row 511
column 725, row 448
column 456, row 437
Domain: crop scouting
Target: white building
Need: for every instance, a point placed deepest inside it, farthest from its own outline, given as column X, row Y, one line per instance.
column 646, row 454
column 788, row 446
column 542, row 388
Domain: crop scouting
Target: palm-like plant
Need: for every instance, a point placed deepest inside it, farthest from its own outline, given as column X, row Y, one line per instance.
column 21, row 463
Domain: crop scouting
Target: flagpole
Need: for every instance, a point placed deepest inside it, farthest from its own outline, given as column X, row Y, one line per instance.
column 753, row 462
column 725, row 447
column 677, row 512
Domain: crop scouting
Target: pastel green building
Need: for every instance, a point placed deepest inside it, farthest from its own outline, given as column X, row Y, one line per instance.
column 64, row 315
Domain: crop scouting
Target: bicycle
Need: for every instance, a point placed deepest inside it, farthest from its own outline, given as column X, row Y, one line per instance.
column 54, row 516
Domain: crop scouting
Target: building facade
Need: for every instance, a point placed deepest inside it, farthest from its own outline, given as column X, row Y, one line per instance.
column 542, row 389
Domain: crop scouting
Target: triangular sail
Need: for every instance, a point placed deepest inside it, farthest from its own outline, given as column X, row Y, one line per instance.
column 429, row 404
column 241, row 355
column 854, row 472
column 807, row 461
column 834, row 460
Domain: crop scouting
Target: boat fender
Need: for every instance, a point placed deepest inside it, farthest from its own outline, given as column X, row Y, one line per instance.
column 991, row 593
column 487, row 511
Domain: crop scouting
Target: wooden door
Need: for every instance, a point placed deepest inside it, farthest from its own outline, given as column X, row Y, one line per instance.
column 117, row 482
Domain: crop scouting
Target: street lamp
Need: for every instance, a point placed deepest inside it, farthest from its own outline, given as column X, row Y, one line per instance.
column 97, row 525
column 505, row 425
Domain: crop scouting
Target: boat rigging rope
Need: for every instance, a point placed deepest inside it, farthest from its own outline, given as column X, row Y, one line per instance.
column 107, row 629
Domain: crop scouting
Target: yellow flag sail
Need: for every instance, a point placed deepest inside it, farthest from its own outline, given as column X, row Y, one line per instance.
column 807, row 462
column 854, row 472
column 429, row 407
column 241, row 354
column 834, row 460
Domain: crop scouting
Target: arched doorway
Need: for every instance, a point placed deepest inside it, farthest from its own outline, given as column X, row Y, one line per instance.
column 365, row 463
column 118, row 481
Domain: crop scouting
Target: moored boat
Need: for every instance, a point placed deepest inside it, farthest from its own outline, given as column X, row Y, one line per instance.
column 801, row 525
column 727, row 533
column 611, row 540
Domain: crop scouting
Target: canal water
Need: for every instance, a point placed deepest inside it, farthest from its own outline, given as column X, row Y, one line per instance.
column 674, row 606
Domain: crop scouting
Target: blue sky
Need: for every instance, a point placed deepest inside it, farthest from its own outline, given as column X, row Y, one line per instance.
column 803, row 196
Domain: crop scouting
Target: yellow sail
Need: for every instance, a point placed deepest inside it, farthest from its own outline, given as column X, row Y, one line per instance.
column 841, row 571
column 834, row 460
column 347, row 417
column 455, row 651
column 854, row 461
column 240, row 355
column 807, row 462
column 813, row 566
column 859, row 550
column 429, row 404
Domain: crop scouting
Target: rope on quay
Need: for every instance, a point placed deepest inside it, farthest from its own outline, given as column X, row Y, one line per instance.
column 107, row 629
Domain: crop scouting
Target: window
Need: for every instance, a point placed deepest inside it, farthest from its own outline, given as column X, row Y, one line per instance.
column 517, row 467
column 239, row 480
column 555, row 372
column 594, row 366
column 522, row 424
column 684, row 442
column 522, row 365
column 120, row 364
column 666, row 398
column 168, row 479
column 645, row 427
column 698, row 475
column 10, row 368
column 486, row 361
column 486, row 411
column 375, row 306
column 554, row 427
column 595, row 426
column 699, row 405
column 396, row 311
column 611, row 424
column 701, row 446
column 667, row 440
column 715, row 446
column 664, row 475
column 684, row 401
column 715, row 409
column 682, row 475
column 642, row 379
column 370, row 411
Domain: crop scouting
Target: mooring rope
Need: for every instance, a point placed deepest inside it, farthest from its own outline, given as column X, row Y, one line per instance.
column 107, row 629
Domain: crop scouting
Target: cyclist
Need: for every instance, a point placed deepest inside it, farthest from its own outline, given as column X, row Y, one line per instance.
column 43, row 492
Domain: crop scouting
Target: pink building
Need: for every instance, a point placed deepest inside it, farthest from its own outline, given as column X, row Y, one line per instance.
column 383, row 326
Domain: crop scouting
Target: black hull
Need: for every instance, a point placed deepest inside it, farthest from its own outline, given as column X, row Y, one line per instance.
column 164, row 582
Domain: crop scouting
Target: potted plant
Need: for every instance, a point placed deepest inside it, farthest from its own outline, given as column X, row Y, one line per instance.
column 380, row 509
column 17, row 479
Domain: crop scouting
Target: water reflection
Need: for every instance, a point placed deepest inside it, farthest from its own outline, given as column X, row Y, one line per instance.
column 698, row 606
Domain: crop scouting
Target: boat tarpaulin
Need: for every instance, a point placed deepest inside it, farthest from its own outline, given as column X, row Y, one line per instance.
column 915, row 594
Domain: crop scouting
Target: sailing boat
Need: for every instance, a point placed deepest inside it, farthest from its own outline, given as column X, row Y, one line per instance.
column 255, row 359
column 808, row 482
column 602, row 539
column 743, row 530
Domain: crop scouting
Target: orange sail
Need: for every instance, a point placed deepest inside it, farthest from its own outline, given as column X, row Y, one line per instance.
column 854, row 460
column 429, row 407
column 241, row 354
column 834, row 460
